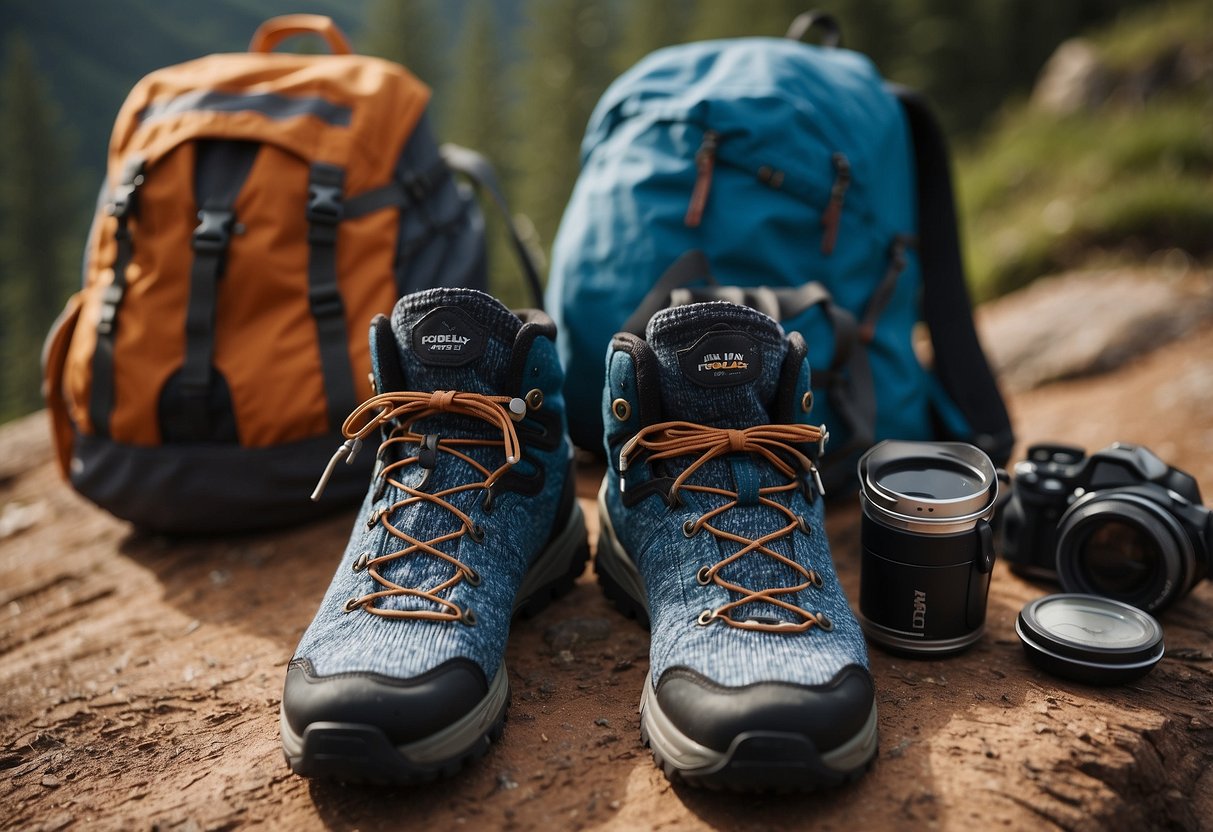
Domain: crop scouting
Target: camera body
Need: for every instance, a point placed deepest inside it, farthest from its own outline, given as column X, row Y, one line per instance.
column 1120, row 523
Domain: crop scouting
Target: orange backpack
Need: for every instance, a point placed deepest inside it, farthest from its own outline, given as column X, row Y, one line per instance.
column 259, row 210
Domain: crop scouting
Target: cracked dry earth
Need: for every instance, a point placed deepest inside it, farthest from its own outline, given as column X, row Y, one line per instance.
column 141, row 678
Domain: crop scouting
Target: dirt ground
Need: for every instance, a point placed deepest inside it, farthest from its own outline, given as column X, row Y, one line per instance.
column 141, row 680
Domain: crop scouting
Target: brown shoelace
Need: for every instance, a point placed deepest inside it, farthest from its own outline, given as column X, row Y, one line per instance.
column 773, row 443
column 404, row 409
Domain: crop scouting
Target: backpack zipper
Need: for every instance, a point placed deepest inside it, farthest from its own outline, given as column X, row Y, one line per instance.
column 705, row 163
column 838, row 194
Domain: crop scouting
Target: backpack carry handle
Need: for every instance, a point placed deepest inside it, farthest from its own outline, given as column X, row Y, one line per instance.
column 277, row 29
column 805, row 22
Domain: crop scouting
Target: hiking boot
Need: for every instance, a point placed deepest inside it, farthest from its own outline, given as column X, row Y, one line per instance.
column 470, row 517
column 712, row 530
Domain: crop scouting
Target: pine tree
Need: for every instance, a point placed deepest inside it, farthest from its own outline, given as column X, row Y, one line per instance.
column 478, row 118
column 37, row 226
column 563, row 74
column 730, row 19
column 648, row 26
column 410, row 32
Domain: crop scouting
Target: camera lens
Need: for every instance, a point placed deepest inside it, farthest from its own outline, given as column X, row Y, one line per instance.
column 1126, row 547
column 1119, row 558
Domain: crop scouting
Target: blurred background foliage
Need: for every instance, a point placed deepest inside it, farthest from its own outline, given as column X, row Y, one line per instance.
column 1108, row 157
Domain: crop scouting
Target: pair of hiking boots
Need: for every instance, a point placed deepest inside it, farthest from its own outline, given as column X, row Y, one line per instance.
column 711, row 532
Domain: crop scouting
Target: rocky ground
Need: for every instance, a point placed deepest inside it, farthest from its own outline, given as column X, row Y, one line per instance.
column 141, row 676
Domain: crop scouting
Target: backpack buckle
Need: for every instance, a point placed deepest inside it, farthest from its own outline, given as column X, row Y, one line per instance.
column 325, row 301
column 122, row 203
column 324, row 204
column 214, row 230
column 111, row 299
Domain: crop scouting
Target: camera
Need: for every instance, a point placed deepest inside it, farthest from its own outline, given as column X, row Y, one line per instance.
column 1120, row 523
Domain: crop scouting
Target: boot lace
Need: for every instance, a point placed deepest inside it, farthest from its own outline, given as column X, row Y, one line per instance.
column 400, row 411
column 776, row 444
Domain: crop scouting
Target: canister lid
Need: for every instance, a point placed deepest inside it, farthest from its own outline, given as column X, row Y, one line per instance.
column 928, row 487
column 1089, row 639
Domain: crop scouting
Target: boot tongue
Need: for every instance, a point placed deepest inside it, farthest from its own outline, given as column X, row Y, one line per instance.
column 454, row 339
column 446, row 339
column 719, row 363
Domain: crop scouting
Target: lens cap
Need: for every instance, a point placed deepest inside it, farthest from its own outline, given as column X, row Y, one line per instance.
column 1089, row 639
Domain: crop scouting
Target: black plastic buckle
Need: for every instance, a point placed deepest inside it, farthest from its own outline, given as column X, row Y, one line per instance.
column 111, row 299
column 324, row 211
column 214, row 231
column 325, row 301
column 324, row 204
column 122, row 202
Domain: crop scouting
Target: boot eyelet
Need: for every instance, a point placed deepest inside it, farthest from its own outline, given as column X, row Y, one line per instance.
column 803, row 523
column 468, row 616
column 704, row 576
column 476, row 532
column 534, row 399
column 375, row 517
column 361, row 563
column 471, row 576
column 352, row 604
column 824, row 622
column 806, row 401
column 621, row 410
column 688, row 528
column 705, row 618
column 815, row 580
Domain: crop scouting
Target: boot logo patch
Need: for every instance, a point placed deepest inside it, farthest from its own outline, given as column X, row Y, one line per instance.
column 448, row 336
column 722, row 359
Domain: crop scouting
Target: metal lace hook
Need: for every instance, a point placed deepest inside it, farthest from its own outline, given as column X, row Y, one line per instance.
column 626, row 451
column 348, row 450
column 821, row 489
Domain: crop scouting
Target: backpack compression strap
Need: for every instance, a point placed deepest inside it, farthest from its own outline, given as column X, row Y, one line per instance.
column 325, row 210
column 960, row 363
column 220, row 172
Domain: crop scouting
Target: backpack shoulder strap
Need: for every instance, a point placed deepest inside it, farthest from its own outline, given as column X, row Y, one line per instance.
column 478, row 169
column 960, row 363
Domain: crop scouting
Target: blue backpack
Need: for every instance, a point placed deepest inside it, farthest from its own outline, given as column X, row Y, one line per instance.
column 792, row 178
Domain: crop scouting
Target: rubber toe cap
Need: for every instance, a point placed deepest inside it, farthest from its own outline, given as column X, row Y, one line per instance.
column 714, row 715
column 405, row 710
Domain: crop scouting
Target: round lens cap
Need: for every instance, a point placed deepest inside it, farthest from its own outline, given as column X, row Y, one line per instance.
column 1089, row 639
